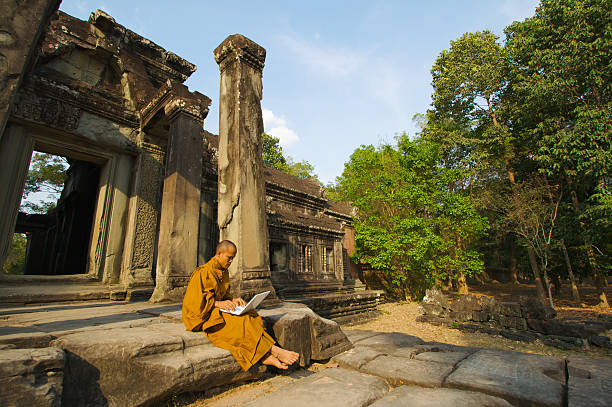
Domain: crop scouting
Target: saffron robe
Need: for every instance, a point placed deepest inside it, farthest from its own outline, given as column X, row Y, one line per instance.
column 244, row 335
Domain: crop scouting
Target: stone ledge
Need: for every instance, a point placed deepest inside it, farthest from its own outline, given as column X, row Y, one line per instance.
column 151, row 356
column 31, row 377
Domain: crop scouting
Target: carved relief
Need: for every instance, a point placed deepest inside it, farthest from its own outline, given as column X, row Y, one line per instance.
column 149, row 196
column 51, row 112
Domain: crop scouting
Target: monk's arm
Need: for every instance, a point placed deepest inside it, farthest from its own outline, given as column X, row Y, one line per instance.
column 235, row 301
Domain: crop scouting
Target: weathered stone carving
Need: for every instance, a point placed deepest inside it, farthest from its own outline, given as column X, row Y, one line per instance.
column 47, row 111
column 242, row 205
column 20, row 29
column 148, row 194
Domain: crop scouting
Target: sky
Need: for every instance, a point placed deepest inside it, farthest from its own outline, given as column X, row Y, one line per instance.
column 338, row 74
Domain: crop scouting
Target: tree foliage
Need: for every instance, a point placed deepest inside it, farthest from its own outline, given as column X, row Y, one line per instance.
column 410, row 224
column 15, row 259
column 273, row 157
column 47, row 174
column 518, row 128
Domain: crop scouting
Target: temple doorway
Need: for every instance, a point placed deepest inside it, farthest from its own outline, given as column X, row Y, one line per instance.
column 56, row 215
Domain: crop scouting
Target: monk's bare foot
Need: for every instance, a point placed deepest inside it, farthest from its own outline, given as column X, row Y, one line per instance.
column 285, row 356
column 272, row 360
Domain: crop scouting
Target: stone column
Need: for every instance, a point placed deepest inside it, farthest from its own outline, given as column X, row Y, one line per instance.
column 242, row 205
column 15, row 154
column 177, row 251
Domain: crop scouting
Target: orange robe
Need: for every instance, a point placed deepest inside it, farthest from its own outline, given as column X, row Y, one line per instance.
column 242, row 335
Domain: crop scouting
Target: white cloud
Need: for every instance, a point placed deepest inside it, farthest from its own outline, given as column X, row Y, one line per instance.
column 517, row 10
column 277, row 127
column 334, row 62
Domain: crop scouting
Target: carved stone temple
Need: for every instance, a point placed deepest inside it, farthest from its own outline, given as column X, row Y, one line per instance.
column 149, row 192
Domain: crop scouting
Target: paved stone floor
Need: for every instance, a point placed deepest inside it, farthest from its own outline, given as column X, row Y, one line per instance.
column 382, row 369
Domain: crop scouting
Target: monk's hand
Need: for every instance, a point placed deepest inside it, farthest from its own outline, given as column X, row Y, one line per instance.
column 239, row 301
column 227, row 304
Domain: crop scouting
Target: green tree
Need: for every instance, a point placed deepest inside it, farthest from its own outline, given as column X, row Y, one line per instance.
column 561, row 75
column 272, row 152
column 409, row 224
column 472, row 121
column 272, row 155
column 47, row 174
column 15, row 260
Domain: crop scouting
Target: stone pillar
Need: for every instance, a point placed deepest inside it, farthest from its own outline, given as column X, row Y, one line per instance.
column 242, row 205
column 15, row 154
column 177, row 250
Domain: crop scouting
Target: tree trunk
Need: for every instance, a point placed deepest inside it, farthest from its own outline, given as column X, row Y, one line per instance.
column 462, row 287
column 570, row 272
column 536, row 274
column 513, row 262
column 603, row 299
column 547, row 282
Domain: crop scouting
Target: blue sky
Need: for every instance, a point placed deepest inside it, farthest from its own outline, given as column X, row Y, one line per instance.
column 338, row 74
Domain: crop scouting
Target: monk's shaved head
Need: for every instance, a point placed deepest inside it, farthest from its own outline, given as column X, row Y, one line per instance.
column 225, row 246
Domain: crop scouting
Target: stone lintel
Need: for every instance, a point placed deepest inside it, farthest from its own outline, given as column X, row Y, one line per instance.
column 239, row 48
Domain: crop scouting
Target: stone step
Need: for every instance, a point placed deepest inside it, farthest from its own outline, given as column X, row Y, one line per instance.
column 51, row 291
column 343, row 306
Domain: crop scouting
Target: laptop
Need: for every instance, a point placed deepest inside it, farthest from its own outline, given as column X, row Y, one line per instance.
column 251, row 305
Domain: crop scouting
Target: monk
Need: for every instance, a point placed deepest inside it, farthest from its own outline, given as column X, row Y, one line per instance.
column 207, row 293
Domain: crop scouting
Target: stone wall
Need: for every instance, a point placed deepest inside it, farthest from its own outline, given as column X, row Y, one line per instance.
column 526, row 320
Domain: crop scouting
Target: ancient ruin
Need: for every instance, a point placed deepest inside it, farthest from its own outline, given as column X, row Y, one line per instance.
column 149, row 191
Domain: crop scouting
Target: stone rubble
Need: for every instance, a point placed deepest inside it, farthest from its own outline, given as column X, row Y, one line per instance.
column 525, row 320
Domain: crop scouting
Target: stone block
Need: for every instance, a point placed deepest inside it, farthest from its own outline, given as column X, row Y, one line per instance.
column 480, row 316
column 514, row 322
column 511, row 309
column 432, row 319
column 600, row 340
column 532, row 308
column 328, row 388
column 292, row 331
column 398, row 371
column 489, row 305
column 435, row 297
column 299, row 329
column 589, row 382
column 327, row 339
column 410, row 396
column 24, row 337
column 537, row 325
column 357, row 335
column 356, row 357
column 387, row 342
column 138, row 366
column 519, row 378
column 449, row 358
column 557, row 343
column 466, row 303
column 564, row 328
column 431, row 309
column 460, row 316
column 31, row 377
